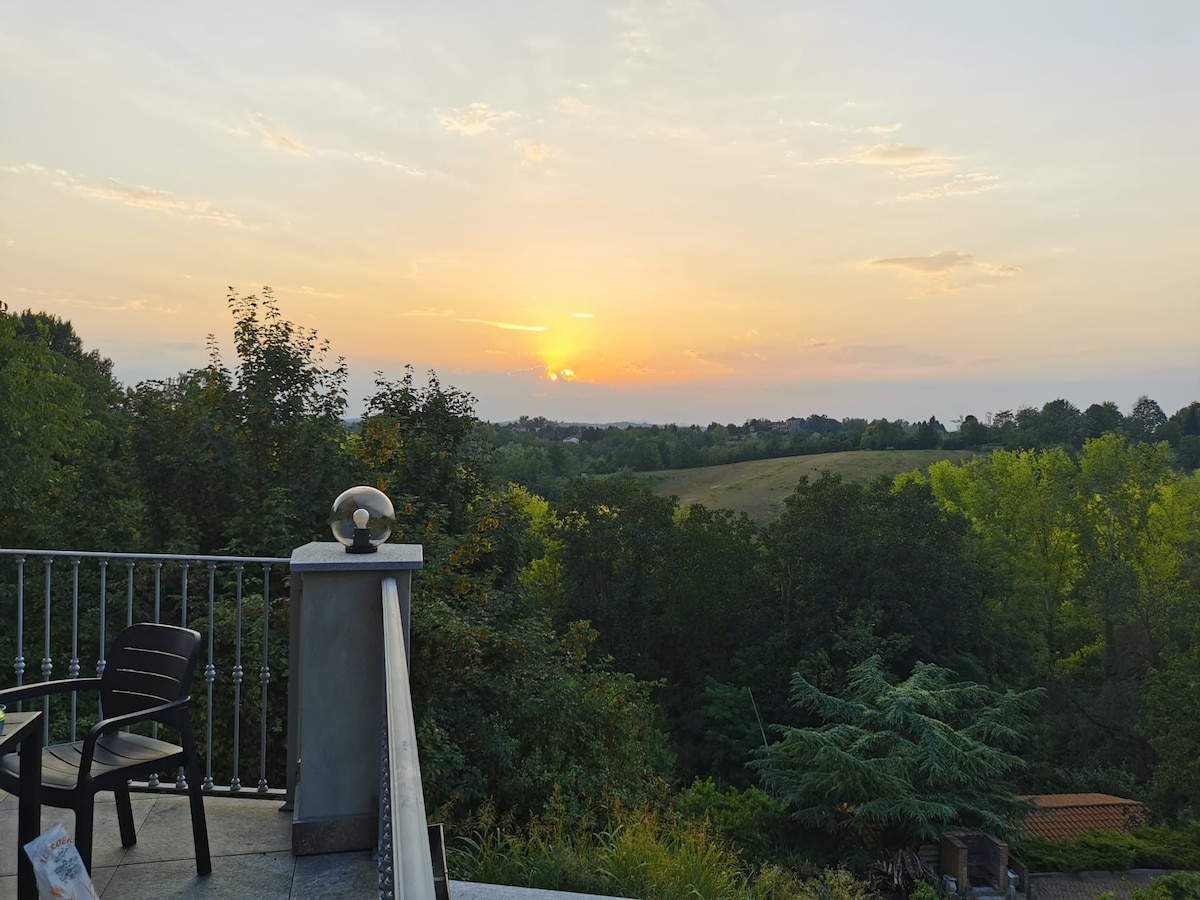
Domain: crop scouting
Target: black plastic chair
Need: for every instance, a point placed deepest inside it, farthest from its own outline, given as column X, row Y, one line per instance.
column 146, row 679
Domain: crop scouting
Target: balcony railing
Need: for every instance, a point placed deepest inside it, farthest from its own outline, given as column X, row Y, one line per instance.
column 74, row 601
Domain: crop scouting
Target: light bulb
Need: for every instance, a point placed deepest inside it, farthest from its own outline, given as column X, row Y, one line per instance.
column 361, row 518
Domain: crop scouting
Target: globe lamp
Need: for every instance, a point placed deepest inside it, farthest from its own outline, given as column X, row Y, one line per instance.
column 362, row 518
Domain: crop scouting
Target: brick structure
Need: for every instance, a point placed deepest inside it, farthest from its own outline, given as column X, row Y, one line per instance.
column 974, row 859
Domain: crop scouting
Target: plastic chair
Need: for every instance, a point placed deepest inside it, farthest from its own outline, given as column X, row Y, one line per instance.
column 146, row 679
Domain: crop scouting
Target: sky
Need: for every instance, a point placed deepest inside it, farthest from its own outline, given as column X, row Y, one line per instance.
column 656, row 211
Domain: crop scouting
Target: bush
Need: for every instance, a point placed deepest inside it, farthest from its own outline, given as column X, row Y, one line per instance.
column 756, row 824
column 1176, row 886
column 639, row 854
column 1150, row 847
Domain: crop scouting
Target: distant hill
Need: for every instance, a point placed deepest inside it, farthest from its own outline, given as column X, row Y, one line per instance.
column 758, row 487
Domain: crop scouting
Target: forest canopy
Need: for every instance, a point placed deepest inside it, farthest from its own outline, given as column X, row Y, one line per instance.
column 579, row 640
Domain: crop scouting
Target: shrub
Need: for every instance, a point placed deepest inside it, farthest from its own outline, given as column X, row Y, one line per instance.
column 756, row 823
column 1151, row 847
column 1176, row 886
column 640, row 854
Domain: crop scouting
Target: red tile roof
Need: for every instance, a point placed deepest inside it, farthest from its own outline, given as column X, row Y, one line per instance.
column 1068, row 816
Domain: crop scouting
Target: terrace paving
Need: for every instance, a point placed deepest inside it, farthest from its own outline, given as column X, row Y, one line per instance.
column 251, row 844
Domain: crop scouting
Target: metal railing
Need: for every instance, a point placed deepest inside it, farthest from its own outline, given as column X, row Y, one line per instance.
column 405, row 860
column 159, row 588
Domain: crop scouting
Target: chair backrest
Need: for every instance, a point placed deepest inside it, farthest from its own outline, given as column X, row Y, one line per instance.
column 148, row 665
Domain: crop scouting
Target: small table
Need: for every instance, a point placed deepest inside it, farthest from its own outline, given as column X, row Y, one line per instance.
column 25, row 728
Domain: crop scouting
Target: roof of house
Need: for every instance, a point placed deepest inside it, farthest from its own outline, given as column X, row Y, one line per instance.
column 1069, row 816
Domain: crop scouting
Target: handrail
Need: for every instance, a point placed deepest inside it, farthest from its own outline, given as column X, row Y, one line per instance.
column 411, row 860
column 174, row 557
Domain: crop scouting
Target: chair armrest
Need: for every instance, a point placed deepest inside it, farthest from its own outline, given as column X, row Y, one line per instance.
column 45, row 688
column 152, row 714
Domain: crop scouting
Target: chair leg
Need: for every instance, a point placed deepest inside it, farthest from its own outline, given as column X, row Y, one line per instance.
column 195, row 800
column 85, row 809
column 125, row 816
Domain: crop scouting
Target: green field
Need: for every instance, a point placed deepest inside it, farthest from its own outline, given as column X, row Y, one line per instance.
column 759, row 486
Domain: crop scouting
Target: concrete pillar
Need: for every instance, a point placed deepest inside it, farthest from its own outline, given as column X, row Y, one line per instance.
column 335, row 698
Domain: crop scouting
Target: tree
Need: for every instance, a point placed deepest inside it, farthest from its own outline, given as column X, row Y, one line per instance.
column 1101, row 418
column 1145, row 418
column 897, row 764
column 973, row 432
column 43, row 419
column 425, row 448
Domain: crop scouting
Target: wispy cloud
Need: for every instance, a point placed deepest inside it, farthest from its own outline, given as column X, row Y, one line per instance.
column 136, row 195
column 583, row 315
column 963, row 185
column 310, row 291
column 851, row 129
column 935, row 264
column 273, row 136
column 570, row 105
column 378, row 159
column 506, row 326
column 905, row 160
column 935, row 272
column 109, row 303
column 911, row 162
column 475, row 119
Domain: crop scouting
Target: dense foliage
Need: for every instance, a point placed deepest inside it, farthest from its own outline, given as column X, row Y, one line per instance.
column 579, row 640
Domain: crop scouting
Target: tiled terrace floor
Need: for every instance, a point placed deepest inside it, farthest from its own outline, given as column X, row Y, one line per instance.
column 251, row 843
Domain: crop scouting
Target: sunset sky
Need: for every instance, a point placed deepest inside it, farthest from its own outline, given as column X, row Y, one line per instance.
column 687, row 211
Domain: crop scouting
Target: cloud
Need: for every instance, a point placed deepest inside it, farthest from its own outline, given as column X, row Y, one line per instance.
column 851, row 129
column 144, row 197
column 583, row 315
column 907, row 161
column 729, row 359
column 109, row 303
column 475, row 119
column 310, row 291
column 937, row 264
column 963, row 185
column 1002, row 271
column 935, row 271
column 273, row 136
column 534, row 152
column 136, row 195
column 506, row 326
column 378, row 159
column 570, row 105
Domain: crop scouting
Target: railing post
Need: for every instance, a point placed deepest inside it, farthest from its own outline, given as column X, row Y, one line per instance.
column 336, row 691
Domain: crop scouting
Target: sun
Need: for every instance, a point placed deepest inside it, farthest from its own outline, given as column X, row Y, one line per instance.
column 561, row 374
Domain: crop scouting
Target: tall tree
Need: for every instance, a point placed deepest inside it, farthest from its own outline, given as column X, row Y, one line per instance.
column 895, row 764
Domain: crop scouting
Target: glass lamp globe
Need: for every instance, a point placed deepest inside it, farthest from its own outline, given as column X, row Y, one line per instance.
column 362, row 518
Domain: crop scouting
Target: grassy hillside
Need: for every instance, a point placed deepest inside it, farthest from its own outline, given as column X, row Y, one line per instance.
column 759, row 486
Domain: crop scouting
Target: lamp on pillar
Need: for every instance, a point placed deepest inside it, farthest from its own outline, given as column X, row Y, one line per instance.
column 362, row 518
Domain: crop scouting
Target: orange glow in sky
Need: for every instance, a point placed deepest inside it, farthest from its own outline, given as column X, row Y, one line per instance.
column 675, row 211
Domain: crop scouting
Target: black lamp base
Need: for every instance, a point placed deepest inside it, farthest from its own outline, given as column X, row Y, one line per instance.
column 362, row 542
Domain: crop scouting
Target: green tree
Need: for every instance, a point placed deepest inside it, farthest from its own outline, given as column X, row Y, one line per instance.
column 43, row 428
column 895, row 764
column 1145, row 418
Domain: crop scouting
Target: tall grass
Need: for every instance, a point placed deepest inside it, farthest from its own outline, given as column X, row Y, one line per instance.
column 639, row 854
